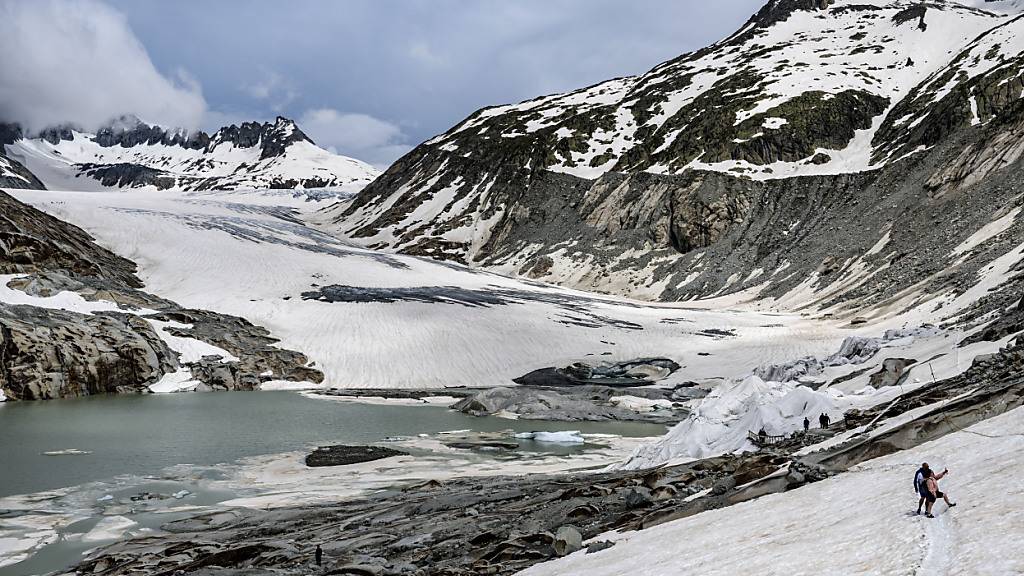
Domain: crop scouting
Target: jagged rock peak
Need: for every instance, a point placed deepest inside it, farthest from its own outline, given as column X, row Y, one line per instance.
column 129, row 131
column 272, row 138
column 779, row 10
column 9, row 133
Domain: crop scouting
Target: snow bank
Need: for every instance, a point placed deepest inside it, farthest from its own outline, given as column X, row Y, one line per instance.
column 178, row 381
column 859, row 522
column 273, row 385
column 722, row 420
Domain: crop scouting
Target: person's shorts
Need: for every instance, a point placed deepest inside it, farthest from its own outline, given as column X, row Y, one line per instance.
column 928, row 496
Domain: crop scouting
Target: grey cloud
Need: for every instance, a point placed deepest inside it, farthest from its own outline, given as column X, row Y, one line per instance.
column 356, row 135
column 78, row 61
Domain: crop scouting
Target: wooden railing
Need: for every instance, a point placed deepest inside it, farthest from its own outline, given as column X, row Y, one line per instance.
column 764, row 439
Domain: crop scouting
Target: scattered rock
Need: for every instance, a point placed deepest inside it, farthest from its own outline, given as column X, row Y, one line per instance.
column 599, row 546
column 638, row 498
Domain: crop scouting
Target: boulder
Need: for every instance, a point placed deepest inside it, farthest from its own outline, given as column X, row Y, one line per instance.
column 891, row 372
column 567, row 540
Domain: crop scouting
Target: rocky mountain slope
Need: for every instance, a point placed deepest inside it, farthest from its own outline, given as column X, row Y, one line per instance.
column 131, row 154
column 74, row 322
column 847, row 152
column 12, row 173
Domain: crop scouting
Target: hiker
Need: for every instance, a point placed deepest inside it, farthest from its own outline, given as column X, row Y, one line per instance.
column 919, row 487
column 318, row 556
column 762, row 434
column 931, row 481
column 823, row 421
column 807, row 424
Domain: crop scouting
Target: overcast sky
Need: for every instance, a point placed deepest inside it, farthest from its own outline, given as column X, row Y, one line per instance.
column 368, row 78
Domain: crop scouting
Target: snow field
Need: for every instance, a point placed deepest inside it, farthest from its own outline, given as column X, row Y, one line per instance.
column 223, row 253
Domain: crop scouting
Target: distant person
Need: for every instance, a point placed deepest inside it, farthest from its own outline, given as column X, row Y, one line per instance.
column 932, row 483
column 318, row 555
column 807, row 424
column 823, row 420
column 919, row 486
column 762, row 433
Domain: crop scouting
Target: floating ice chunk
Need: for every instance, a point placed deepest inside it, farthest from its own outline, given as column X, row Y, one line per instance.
column 67, row 452
column 110, row 528
column 566, row 437
column 638, row 404
column 277, row 385
column 180, row 494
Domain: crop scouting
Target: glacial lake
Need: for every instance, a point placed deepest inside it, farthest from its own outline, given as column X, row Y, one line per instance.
column 141, row 435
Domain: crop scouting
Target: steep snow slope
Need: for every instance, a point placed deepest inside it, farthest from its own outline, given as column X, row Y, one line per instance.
column 370, row 319
column 857, row 523
column 131, row 154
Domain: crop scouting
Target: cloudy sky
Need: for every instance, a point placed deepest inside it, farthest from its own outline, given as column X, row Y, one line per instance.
column 368, row 78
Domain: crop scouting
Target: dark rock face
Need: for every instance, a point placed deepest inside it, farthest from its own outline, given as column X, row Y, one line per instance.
column 126, row 175
column 129, row 131
column 55, row 134
column 779, row 10
column 33, row 241
column 47, row 354
column 633, row 373
column 345, row 455
column 12, row 173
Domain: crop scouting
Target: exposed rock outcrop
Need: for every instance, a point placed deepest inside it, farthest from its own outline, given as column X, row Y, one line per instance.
column 47, row 353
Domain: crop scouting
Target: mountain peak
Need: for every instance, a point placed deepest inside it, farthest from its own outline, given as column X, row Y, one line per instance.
column 780, row 10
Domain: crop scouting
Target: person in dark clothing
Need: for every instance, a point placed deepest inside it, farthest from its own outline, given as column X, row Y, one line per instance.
column 807, row 424
column 827, row 420
column 318, row 555
column 919, row 487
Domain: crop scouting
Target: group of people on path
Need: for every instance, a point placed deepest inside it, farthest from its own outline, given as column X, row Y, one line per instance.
column 823, row 422
column 926, row 485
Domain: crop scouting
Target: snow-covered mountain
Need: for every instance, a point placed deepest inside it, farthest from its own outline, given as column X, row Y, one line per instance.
column 131, row 154
column 850, row 149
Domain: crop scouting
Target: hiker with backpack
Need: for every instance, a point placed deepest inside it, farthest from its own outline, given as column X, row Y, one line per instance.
column 931, row 482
